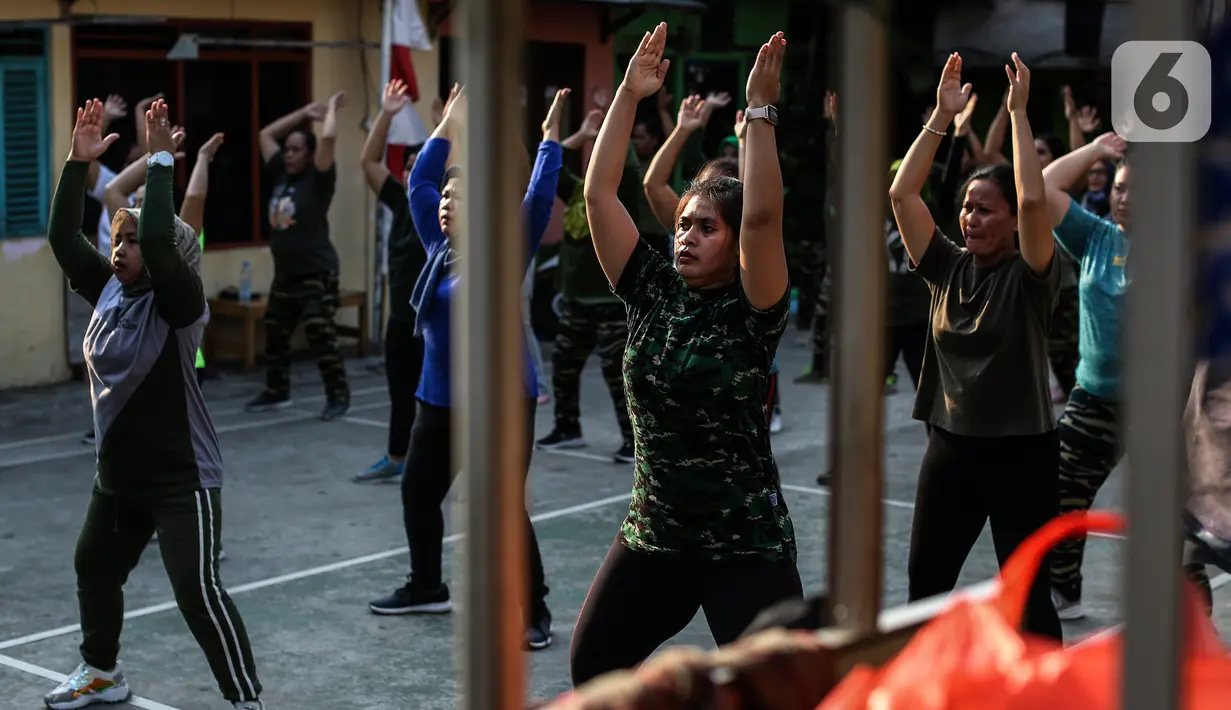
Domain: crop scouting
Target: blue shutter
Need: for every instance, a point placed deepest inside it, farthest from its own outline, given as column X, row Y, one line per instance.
column 23, row 147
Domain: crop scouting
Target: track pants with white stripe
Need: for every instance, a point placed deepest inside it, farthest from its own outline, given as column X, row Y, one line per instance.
column 115, row 533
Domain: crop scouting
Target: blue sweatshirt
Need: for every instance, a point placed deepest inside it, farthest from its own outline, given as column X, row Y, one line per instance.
column 424, row 185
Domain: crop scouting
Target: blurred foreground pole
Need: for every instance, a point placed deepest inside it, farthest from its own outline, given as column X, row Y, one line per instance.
column 858, row 378
column 488, row 437
column 1158, row 369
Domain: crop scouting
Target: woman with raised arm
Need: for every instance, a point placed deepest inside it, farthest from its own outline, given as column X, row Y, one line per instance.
column 403, row 349
column 708, row 526
column 1090, row 433
column 159, row 467
column 429, row 467
column 305, row 285
column 992, row 452
column 661, row 197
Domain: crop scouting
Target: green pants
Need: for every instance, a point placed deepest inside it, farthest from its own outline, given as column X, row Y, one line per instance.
column 115, row 533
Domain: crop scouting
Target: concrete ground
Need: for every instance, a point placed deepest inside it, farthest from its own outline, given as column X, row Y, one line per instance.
column 307, row 548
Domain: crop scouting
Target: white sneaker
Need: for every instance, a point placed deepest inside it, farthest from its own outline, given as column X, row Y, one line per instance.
column 775, row 423
column 87, row 686
column 1067, row 609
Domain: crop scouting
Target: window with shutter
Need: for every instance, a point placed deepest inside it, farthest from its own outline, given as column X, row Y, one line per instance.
column 23, row 147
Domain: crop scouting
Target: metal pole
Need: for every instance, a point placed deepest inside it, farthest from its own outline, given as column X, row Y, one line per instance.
column 383, row 222
column 859, row 276
column 1157, row 369
column 488, row 436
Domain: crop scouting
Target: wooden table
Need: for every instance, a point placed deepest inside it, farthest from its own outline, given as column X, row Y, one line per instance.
column 253, row 312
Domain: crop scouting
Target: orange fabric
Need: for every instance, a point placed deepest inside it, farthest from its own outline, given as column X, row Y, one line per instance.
column 974, row 657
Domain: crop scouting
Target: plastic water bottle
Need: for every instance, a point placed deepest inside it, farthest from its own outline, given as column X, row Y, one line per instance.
column 245, row 283
column 794, row 307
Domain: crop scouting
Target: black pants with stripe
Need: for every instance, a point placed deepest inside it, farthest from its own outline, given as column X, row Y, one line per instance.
column 115, row 533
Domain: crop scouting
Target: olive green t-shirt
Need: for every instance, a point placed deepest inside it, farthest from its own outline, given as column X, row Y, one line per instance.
column 985, row 367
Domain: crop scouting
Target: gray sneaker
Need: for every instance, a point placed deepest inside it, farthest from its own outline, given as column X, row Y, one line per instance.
column 1067, row 609
column 248, row 705
column 87, row 686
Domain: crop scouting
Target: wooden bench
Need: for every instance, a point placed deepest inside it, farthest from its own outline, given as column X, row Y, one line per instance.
column 253, row 312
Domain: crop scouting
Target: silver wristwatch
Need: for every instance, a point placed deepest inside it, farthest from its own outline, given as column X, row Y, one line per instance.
column 769, row 113
column 162, row 158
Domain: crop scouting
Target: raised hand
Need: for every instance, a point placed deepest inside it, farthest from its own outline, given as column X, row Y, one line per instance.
column 551, row 124
column 717, row 100
column 210, row 148
column 961, row 122
column 741, row 126
column 338, row 100
column 88, row 141
column 692, row 114
column 455, row 106
column 114, row 108
column 315, row 111
column 1088, row 120
column 951, row 94
column 178, row 136
column 600, row 98
column 1019, row 84
column 438, row 111
column 144, row 104
column 1110, row 146
column 158, row 133
column 763, row 80
column 396, row 98
column 647, row 69
column 592, row 124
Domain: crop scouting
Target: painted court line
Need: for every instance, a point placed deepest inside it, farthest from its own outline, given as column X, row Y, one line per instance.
column 59, row 677
column 53, row 438
column 257, row 422
column 313, row 572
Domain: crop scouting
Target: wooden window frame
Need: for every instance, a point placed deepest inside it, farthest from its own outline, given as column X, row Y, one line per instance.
column 253, row 56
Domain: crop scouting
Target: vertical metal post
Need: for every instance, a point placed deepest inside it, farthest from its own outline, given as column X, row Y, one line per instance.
column 859, row 277
column 489, row 441
column 1157, row 369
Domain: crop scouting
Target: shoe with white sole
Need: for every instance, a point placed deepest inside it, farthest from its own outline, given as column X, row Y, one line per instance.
column 89, row 686
column 1067, row 609
column 248, row 705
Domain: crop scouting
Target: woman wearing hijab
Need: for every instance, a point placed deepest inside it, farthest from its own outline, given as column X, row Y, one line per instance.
column 159, row 466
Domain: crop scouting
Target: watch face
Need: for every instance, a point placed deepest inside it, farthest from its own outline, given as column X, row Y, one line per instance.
column 772, row 114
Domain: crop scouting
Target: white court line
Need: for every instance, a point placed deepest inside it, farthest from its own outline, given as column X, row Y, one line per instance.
column 53, row 438
column 256, row 423
column 313, row 572
column 60, row 677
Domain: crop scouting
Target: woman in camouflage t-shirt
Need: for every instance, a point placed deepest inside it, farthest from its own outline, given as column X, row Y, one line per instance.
column 708, row 526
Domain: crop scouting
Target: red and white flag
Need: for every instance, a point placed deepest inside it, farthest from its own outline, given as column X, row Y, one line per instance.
column 404, row 31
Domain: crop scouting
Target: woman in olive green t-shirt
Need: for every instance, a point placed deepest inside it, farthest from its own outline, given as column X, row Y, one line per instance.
column 993, row 452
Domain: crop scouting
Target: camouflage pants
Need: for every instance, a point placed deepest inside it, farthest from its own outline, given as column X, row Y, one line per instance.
column 1090, row 448
column 583, row 328
column 1062, row 342
column 314, row 300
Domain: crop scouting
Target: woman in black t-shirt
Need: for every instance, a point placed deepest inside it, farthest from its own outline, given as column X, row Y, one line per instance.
column 993, row 453
column 305, row 263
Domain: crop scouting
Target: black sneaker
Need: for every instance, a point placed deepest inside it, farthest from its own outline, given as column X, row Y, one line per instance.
column 88, row 438
column 268, row 401
column 409, row 599
column 823, row 479
column 538, row 636
column 335, row 408
column 626, row 454
column 560, row 440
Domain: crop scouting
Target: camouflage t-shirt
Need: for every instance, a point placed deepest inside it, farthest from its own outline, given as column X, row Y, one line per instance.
column 696, row 372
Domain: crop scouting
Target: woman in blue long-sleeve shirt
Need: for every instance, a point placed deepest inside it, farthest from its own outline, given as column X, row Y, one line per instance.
column 429, row 467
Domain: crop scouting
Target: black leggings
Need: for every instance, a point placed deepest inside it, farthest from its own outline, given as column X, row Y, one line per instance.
column 965, row 481
column 403, row 364
column 638, row 601
column 425, row 484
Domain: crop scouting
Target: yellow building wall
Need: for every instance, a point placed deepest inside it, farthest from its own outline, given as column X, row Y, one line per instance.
column 32, row 330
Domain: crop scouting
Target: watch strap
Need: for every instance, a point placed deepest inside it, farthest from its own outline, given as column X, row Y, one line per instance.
column 767, row 112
